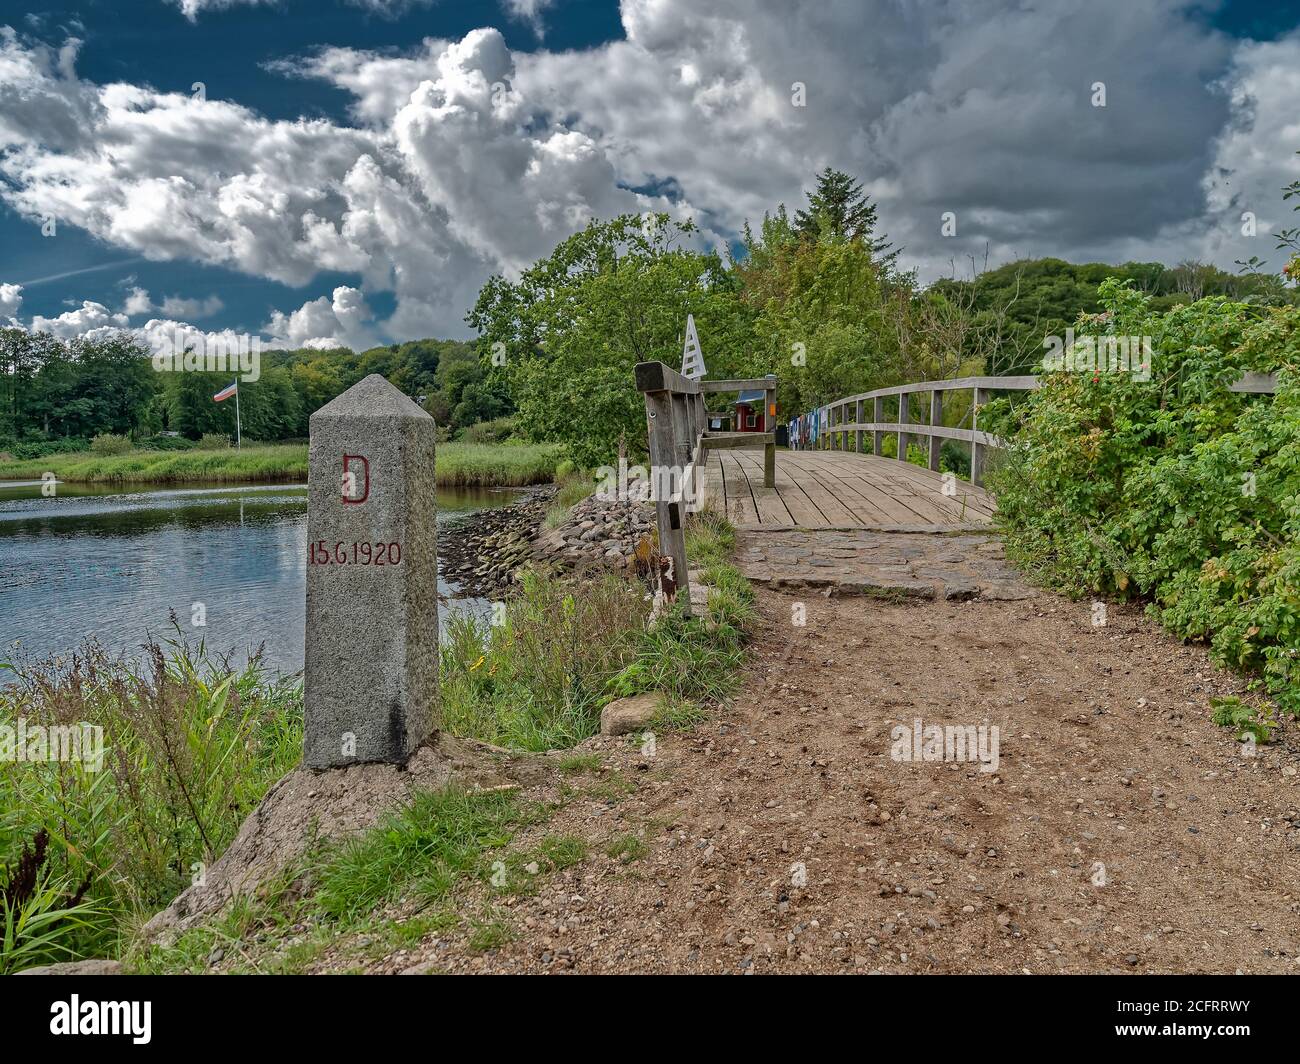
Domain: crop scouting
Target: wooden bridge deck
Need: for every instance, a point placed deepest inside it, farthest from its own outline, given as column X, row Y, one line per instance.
column 838, row 489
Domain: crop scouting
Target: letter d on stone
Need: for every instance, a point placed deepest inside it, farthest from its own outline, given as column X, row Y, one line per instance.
column 372, row 579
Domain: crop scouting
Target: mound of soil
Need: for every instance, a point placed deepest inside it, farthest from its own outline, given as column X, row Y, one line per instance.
column 307, row 806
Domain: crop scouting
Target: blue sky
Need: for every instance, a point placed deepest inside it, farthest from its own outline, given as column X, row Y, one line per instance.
column 146, row 41
column 243, row 215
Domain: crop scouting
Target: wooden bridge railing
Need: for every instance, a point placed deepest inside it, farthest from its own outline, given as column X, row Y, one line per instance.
column 841, row 423
column 678, row 431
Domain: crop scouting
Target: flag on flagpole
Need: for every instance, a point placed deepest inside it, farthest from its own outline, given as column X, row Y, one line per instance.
column 692, row 356
column 232, row 389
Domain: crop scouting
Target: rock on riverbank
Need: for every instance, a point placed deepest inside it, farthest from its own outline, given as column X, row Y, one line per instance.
column 482, row 554
column 599, row 532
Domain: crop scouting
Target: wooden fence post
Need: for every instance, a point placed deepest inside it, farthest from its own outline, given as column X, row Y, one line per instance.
column 769, row 449
column 659, row 408
column 936, row 418
column 977, row 448
column 878, row 416
column 857, row 435
column 904, row 418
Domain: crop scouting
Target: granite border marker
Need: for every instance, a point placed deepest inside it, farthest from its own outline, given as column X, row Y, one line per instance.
column 371, row 662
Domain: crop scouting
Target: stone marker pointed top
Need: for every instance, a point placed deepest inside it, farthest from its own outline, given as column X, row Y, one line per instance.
column 372, row 396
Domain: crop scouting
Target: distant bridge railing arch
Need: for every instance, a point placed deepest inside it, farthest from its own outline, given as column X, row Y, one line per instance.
column 835, row 421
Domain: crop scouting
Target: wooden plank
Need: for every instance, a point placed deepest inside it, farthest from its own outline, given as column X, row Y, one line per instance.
column 878, row 506
column 716, row 441
column 739, row 490
column 671, row 517
column 658, row 377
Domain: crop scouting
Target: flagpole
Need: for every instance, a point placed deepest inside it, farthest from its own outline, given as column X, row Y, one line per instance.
column 238, row 434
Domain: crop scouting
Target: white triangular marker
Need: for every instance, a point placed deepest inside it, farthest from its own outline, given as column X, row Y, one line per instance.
column 692, row 356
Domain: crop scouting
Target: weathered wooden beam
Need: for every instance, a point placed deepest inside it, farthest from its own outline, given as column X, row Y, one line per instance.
column 904, row 417
column 749, row 384
column 915, row 428
column 670, row 515
column 936, row 419
column 722, row 441
column 658, row 377
column 976, row 447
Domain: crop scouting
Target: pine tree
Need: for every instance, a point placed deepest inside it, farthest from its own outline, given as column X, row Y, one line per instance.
column 840, row 209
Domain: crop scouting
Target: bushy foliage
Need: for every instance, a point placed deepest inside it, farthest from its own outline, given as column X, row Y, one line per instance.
column 576, row 323
column 1175, row 490
column 107, row 443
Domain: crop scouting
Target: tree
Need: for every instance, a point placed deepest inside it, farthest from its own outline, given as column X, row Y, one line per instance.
column 574, row 325
column 840, row 210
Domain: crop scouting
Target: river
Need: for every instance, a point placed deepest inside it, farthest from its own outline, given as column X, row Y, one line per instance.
column 116, row 563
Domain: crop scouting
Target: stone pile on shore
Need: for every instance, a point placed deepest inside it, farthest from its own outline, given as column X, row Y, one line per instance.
column 482, row 554
column 599, row 531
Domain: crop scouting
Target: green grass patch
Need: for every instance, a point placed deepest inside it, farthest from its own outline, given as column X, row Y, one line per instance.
column 458, row 465
column 428, row 845
column 275, row 462
column 627, row 848
column 472, row 465
column 331, row 901
column 580, row 763
column 539, row 680
column 574, row 486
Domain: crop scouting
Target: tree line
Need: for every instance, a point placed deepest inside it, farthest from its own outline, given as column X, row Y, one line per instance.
column 58, row 394
column 816, row 298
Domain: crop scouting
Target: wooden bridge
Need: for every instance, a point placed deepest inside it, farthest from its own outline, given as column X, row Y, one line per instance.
column 838, row 489
column 827, row 481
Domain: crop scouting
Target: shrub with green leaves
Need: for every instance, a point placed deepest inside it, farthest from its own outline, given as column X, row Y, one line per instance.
column 106, row 443
column 1174, row 490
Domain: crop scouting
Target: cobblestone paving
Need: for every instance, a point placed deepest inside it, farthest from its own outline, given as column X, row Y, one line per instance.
column 865, row 562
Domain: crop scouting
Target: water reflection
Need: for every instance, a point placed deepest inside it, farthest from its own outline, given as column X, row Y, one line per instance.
column 115, row 564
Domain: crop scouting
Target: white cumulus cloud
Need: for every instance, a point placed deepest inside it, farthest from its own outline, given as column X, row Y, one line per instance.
column 460, row 158
column 11, row 298
column 87, row 318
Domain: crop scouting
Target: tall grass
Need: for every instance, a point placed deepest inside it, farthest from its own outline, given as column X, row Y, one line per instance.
column 574, row 486
column 565, row 648
column 458, row 465
column 496, row 464
column 262, row 463
column 192, row 744
column 190, row 747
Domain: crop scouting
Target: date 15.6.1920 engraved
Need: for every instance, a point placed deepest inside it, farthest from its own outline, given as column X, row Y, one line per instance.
column 322, row 553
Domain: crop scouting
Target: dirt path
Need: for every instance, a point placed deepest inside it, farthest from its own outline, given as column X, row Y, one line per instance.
column 1122, row 830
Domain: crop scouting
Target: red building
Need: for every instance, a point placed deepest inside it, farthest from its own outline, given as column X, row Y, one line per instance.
column 750, row 415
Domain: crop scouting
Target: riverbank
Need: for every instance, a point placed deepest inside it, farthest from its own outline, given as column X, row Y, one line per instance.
column 538, row 681
column 458, row 465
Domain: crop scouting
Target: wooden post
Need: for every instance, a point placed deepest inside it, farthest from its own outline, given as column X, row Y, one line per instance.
column 671, row 515
column 681, row 430
column 878, row 416
column 936, row 418
column 769, row 449
column 976, row 448
column 857, row 435
column 904, row 418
